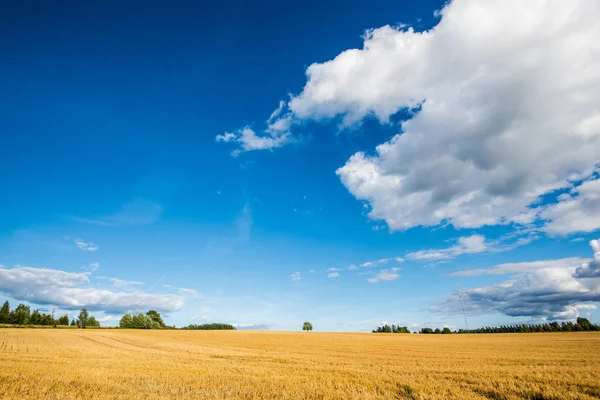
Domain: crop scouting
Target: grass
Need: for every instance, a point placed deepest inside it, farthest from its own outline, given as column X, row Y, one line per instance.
column 102, row 364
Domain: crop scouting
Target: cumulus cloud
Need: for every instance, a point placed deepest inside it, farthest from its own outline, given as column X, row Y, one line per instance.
column 70, row 291
column 559, row 290
column 590, row 269
column 296, row 276
column 249, row 140
column 501, row 98
column 333, row 275
column 577, row 211
column 385, row 275
column 85, row 246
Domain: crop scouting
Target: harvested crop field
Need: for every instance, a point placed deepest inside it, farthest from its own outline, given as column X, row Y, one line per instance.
column 154, row 364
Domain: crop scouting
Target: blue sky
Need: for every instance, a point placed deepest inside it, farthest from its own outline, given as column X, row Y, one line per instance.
column 341, row 163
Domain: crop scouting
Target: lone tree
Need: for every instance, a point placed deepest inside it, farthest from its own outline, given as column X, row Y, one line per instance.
column 82, row 321
column 307, row 327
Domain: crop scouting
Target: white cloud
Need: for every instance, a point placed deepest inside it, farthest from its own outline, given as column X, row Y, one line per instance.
column 375, row 263
column 333, row 275
column 590, row 269
column 70, row 291
column 385, row 275
column 189, row 292
column 559, row 291
column 105, row 319
column 465, row 245
column 122, row 283
column 248, row 140
column 521, row 267
column 502, row 100
column 334, row 269
column 473, row 244
column 85, row 246
column 296, row 276
column 578, row 211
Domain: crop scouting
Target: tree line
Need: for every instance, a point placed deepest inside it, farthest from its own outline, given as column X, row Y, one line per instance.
column 391, row 329
column 581, row 325
column 209, row 327
column 22, row 315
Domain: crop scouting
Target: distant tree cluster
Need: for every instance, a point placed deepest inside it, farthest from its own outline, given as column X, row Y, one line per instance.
column 22, row 315
column 150, row 320
column 581, row 325
column 210, row 327
column 391, row 329
column 307, row 326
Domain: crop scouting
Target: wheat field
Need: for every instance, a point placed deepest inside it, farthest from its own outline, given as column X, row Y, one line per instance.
column 134, row 364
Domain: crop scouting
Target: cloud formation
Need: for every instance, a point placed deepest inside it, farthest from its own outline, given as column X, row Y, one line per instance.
column 385, row 275
column 296, row 276
column 333, row 275
column 558, row 290
column 85, row 246
column 123, row 283
column 521, row 267
column 465, row 245
column 248, row 140
column 501, row 98
column 71, row 291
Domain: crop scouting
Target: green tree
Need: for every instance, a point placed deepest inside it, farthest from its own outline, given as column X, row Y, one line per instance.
column 307, row 327
column 35, row 318
column 446, row 330
column 73, row 322
column 141, row 321
column 20, row 315
column 5, row 313
column 126, row 321
column 82, row 320
column 64, row 320
column 156, row 318
column 92, row 321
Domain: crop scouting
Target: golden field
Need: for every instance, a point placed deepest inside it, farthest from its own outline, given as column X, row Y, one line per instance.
column 103, row 364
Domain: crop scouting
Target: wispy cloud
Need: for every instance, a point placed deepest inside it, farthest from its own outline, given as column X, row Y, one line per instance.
column 85, row 246
column 333, row 275
column 385, row 275
column 91, row 268
column 124, row 283
column 189, row 292
column 139, row 212
column 521, row 267
column 296, row 276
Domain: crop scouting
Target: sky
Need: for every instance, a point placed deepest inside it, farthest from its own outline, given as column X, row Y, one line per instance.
column 268, row 163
